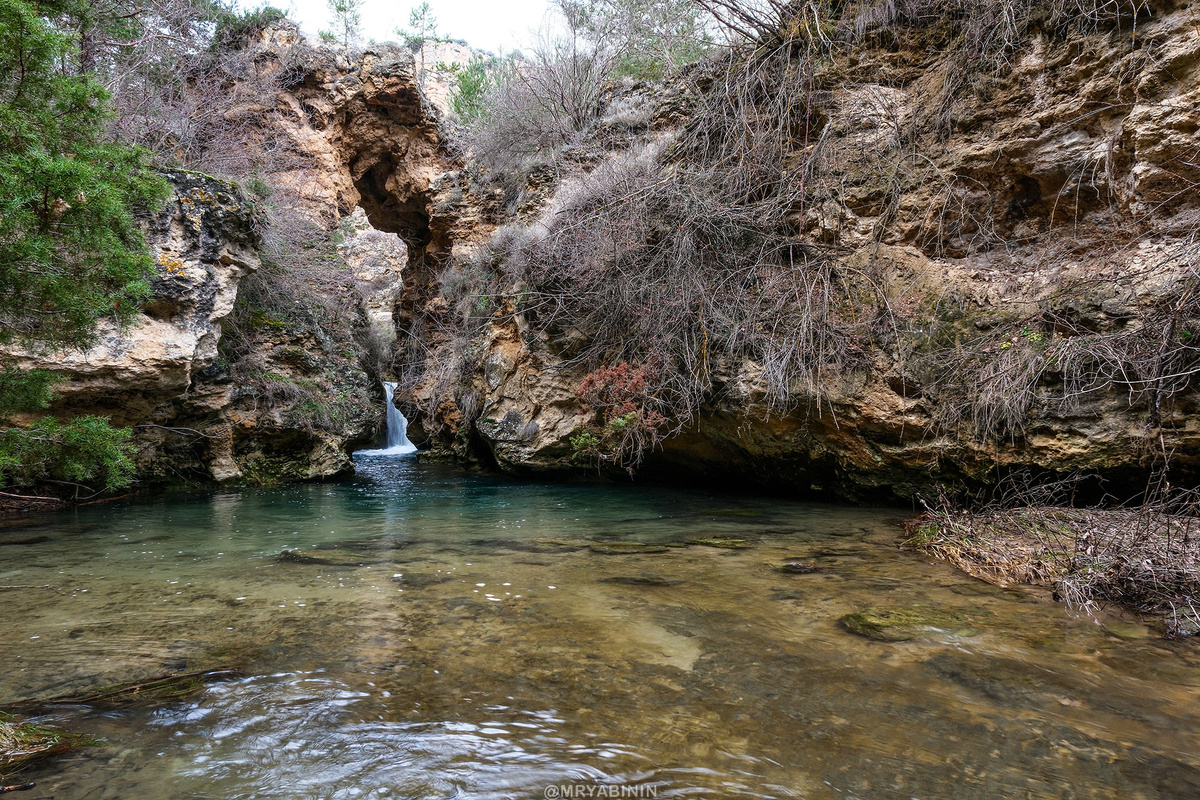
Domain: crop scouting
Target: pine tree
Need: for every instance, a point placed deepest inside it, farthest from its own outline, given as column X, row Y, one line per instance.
column 71, row 253
column 471, row 83
column 423, row 22
column 347, row 19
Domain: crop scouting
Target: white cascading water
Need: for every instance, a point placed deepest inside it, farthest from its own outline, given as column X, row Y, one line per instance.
column 397, row 439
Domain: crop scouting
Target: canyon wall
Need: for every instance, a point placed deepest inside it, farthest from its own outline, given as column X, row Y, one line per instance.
column 1053, row 213
column 218, row 379
column 1040, row 222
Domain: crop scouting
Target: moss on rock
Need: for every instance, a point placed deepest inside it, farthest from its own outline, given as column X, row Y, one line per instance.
column 900, row 624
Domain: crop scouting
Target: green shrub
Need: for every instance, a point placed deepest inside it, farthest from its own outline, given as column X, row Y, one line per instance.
column 71, row 254
column 83, row 450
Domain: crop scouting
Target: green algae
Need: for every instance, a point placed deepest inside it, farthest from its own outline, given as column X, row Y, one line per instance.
column 901, row 624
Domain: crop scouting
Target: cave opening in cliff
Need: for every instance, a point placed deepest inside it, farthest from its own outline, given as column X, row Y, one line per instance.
column 393, row 210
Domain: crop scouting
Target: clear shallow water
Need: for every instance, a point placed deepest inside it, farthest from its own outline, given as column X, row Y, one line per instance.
column 491, row 645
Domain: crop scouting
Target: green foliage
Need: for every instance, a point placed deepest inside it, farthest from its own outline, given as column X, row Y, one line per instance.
column 234, row 28
column 585, row 446
column 257, row 188
column 422, row 24
column 1026, row 335
column 471, row 83
column 81, row 450
column 618, row 425
column 23, row 391
column 347, row 19
column 71, row 253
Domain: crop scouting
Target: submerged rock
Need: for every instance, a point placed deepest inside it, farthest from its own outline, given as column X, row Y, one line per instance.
column 365, row 545
column 1006, row 680
column 901, row 624
column 26, row 540
column 733, row 512
column 640, row 580
column 1129, row 631
column 724, row 543
column 420, row 581
column 799, row 568
column 329, row 558
column 550, row 545
column 625, row 548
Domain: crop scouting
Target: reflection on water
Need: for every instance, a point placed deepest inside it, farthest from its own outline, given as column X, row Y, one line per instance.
column 434, row 634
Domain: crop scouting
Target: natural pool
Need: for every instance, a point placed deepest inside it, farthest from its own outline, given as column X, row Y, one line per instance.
column 445, row 635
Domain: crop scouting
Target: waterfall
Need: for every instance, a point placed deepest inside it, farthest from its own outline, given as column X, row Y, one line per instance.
column 397, row 439
column 397, row 425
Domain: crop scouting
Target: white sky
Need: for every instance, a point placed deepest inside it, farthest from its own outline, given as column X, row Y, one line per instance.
column 493, row 25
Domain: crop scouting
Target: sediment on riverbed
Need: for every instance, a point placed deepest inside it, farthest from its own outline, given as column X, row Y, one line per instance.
column 22, row 742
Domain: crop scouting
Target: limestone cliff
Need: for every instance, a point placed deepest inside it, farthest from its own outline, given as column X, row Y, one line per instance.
column 296, row 386
column 358, row 129
column 203, row 244
column 259, row 357
column 1039, row 223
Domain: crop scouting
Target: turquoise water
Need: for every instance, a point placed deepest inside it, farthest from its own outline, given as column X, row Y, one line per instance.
column 434, row 634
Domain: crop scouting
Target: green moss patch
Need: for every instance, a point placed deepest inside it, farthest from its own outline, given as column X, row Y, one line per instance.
column 901, row 624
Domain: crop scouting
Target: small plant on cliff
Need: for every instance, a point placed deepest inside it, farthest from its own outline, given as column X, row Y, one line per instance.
column 347, row 20
column 627, row 419
column 71, row 255
column 543, row 99
column 471, row 83
column 234, row 29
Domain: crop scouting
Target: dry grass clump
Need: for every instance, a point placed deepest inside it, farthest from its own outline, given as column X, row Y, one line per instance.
column 686, row 253
column 22, row 743
column 1053, row 360
column 1145, row 559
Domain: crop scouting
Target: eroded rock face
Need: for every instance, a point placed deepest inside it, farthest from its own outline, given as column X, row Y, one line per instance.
column 203, row 244
column 1077, row 171
column 378, row 260
column 356, row 148
column 301, row 392
column 362, row 131
column 166, row 377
